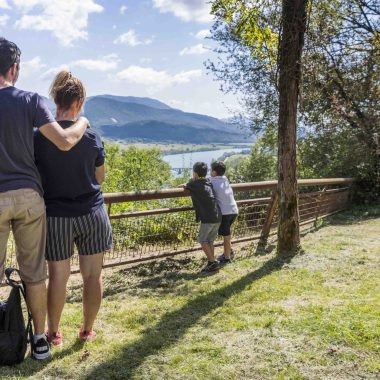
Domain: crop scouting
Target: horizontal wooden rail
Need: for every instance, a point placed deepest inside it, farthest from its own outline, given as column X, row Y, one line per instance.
column 144, row 195
column 172, row 210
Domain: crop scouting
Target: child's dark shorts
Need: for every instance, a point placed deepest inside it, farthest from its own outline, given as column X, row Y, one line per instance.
column 225, row 226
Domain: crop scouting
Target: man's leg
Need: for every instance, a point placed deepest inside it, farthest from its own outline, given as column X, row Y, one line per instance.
column 91, row 268
column 4, row 235
column 29, row 230
column 36, row 299
column 59, row 273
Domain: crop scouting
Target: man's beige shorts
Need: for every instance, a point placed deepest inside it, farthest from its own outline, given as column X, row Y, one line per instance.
column 23, row 211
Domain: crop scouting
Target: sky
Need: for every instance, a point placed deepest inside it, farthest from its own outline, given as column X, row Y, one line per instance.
column 154, row 48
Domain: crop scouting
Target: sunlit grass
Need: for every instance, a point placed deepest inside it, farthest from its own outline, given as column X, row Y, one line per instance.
column 316, row 317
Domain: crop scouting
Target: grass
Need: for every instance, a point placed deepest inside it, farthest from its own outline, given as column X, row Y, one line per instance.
column 315, row 317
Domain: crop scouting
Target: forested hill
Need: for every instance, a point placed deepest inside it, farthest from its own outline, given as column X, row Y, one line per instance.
column 135, row 118
column 132, row 118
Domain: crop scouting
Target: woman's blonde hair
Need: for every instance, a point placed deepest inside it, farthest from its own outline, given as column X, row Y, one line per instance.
column 66, row 89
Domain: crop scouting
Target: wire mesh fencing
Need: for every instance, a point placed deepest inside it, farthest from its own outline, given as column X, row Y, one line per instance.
column 151, row 232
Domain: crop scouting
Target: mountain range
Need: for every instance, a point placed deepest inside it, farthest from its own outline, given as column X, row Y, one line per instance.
column 131, row 118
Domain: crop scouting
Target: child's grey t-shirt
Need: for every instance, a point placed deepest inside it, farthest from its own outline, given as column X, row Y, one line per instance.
column 224, row 195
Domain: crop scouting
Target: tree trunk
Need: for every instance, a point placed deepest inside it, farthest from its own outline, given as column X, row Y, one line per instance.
column 294, row 16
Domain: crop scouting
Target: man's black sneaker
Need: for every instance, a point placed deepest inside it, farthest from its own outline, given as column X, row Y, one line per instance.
column 41, row 349
column 223, row 260
column 211, row 266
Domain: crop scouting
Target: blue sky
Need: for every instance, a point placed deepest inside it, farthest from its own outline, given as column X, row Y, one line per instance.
column 152, row 48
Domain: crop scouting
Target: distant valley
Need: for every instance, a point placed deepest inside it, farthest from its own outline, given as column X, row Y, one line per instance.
column 148, row 120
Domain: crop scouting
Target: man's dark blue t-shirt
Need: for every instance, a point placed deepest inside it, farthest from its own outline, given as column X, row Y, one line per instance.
column 68, row 178
column 20, row 112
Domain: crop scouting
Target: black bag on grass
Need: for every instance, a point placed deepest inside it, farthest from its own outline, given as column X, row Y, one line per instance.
column 13, row 334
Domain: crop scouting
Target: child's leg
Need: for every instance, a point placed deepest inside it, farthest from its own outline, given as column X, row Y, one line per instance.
column 208, row 249
column 225, row 231
column 204, row 239
column 227, row 246
column 212, row 250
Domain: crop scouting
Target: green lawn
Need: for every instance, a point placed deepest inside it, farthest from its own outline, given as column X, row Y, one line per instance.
column 316, row 317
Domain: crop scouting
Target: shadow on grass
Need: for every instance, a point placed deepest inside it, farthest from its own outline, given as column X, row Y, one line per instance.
column 159, row 277
column 173, row 325
column 30, row 367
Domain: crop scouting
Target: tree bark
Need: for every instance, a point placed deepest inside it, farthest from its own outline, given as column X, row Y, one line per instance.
column 294, row 18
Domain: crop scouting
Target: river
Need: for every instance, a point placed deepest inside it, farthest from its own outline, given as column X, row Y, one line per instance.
column 186, row 160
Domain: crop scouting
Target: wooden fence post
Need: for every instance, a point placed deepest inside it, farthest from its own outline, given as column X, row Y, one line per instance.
column 269, row 215
column 318, row 208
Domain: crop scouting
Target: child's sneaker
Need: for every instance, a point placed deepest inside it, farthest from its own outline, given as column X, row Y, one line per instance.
column 223, row 260
column 222, row 257
column 211, row 266
column 86, row 336
column 41, row 349
column 55, row 339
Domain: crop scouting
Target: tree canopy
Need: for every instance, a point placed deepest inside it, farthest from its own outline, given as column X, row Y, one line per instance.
column 340, row 109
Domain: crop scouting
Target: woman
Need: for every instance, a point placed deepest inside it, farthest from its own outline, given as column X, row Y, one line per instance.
column 75, row 210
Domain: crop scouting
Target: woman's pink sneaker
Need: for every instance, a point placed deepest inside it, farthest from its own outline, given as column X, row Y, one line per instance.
column 55, row 339
column 86, row 336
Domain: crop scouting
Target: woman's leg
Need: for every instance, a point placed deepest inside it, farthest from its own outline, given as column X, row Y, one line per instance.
column 59, row 272
column 91, row 268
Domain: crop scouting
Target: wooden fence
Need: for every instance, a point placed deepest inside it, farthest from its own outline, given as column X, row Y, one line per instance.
column 149, row 225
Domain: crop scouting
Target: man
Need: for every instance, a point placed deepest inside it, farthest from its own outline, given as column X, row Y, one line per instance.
column 22, row 208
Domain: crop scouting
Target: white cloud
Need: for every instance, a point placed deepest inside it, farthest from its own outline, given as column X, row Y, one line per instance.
column 155, row 80
column 103, row 64
column 32, row 66
column 3, row 20
column 186, row 10
column 149, row 41
column 202, row 34
column 4, row 4
column 106, row 63
column 130, row 38
column 51, row 73
column 67, row 20
column 123, row 9
column 194, row 50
